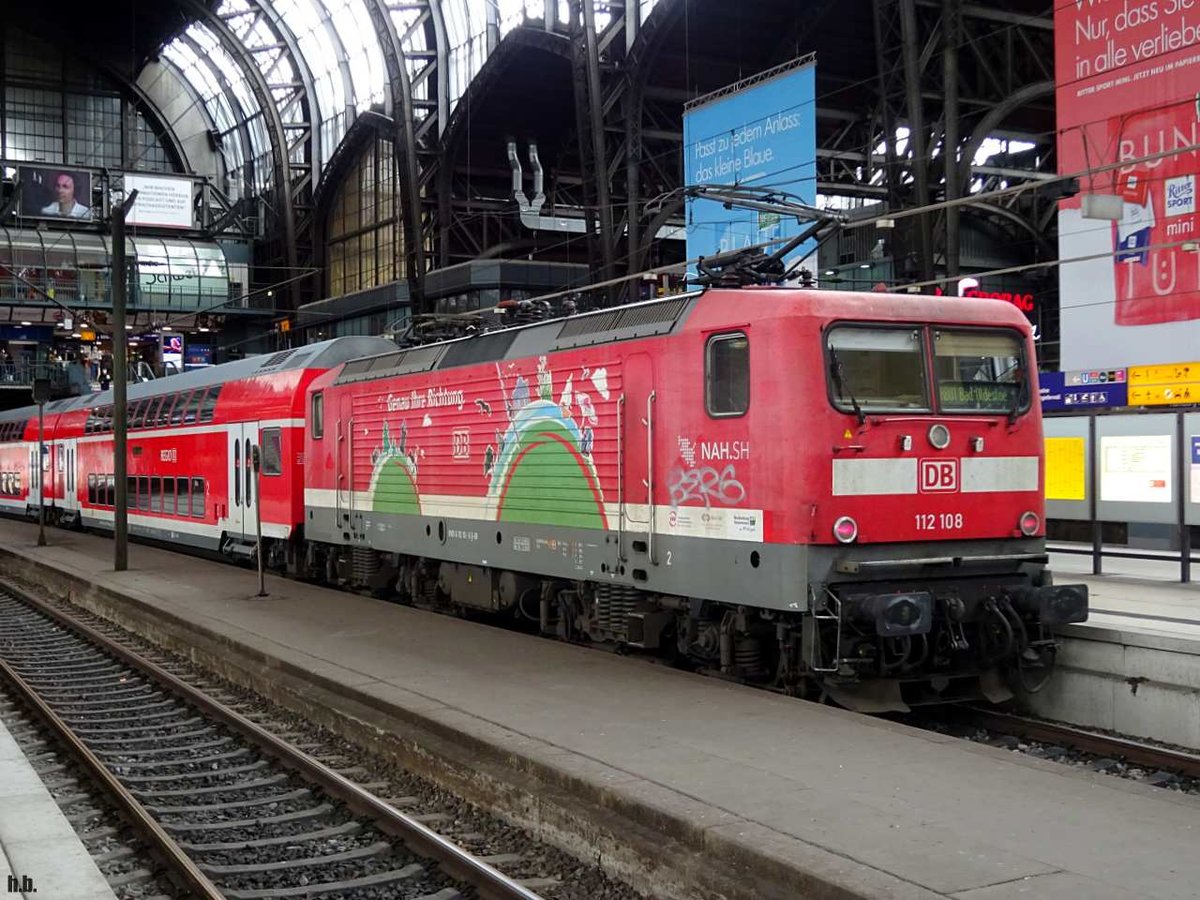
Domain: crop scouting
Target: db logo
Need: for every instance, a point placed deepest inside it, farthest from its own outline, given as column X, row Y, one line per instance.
column 938, row 475
column 461, row 443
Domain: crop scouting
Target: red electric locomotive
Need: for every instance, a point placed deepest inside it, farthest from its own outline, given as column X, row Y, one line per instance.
column 829, row 491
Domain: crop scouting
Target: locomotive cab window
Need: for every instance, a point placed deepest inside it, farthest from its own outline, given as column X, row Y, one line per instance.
column 980, row 371
column 727, row 375
column 272, row 451
column 318, row 415
column 876, row 370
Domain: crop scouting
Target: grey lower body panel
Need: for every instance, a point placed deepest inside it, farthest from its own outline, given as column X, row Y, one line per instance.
column 150, row 533
column 761, row 575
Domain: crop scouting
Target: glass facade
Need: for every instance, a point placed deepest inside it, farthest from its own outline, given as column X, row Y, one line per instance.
column 365, row 243
column 335, row 43
column 75, row 267
column 55, row 110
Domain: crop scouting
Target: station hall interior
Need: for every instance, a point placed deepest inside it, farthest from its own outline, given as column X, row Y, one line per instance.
column 323, row 168
column 599, row 449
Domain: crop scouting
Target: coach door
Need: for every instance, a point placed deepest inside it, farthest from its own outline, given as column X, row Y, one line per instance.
column 36, row 473
column 66, row 477
column 243, row 491
column 637, row 437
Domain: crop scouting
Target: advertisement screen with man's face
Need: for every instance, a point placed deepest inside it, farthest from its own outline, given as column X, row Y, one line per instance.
column 51, row 193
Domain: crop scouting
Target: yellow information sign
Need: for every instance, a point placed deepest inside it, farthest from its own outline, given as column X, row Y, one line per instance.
column 1178, row 392
column 1165, row 374
column 1066, row 468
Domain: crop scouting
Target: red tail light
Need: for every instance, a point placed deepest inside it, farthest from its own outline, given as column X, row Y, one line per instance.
column 1030, row 522
column 845, row 530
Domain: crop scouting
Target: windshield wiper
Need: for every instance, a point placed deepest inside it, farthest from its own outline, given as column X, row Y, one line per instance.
column 838, row 372
column 1019, row 396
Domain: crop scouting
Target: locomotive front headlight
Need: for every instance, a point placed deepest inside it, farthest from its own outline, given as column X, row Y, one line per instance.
column 845, row 530
column 939, row 436
column 1029, row 523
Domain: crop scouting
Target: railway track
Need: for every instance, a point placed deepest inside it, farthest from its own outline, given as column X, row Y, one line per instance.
column 235, row 811
column 1102, row 746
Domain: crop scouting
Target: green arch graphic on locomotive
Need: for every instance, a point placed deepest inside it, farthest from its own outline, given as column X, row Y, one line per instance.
column 549, row 482
column 394, row 490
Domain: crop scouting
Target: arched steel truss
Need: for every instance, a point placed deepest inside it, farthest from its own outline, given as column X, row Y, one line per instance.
column 624, row 126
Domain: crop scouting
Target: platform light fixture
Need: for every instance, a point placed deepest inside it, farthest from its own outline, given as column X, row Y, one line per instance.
column 1109, row 207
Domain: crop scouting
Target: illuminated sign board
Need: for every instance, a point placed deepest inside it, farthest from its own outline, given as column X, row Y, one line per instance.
column 54, row 193
column 1082, row 390
column 162, row 201
column 762, row 134
column 1023, row 302
column 1172, row 384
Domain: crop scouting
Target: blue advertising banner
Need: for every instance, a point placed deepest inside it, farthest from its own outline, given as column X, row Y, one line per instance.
column 759, row 133
column 1057, row 394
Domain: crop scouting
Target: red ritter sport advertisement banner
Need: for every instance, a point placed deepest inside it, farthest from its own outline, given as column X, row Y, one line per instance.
column 1128, row 87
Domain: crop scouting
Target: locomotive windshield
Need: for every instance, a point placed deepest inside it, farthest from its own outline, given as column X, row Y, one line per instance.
column 877, row 369
column 979, row 371
column 884, row 370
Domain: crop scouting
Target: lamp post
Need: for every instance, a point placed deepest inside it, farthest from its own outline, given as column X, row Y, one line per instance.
column 120, row 407
column 41, row 394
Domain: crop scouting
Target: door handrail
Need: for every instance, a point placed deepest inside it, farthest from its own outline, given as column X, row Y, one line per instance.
column 620, row 479
column 650, row 475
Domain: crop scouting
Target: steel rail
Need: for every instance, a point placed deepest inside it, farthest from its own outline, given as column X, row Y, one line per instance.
column 456, row 862
column 172, row 853
column 1132, row 751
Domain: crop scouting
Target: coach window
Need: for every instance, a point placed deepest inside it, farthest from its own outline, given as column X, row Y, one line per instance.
column 181, row 492
column 110, row 491
column 177, row 412
column 209, row 408
column 318, row 415
column 198, row 498
column 143, row 502
column 152, row 407
column 168, row 496
column 155, row 494
column 272, row 451
column 162, row 415
column 727, row 375
column 92, row 489
column 193, row 407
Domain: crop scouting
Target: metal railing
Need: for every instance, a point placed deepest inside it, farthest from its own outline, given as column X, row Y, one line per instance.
column 1099, row 551
column 22, row 375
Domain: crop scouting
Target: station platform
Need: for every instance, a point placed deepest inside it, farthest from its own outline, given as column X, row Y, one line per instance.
column 40, row 854
column 1138, row 594
column 749, row 793
column 1134, row 666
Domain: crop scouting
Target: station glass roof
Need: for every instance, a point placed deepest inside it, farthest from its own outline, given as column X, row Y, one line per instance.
column 342, row 61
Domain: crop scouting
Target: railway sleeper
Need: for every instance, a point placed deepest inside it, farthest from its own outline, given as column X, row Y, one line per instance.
column 379, row 848
column 315, row 890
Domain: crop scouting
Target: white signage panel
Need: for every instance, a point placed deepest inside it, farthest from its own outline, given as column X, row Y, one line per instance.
column 162, row 201
column 1136, row 468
